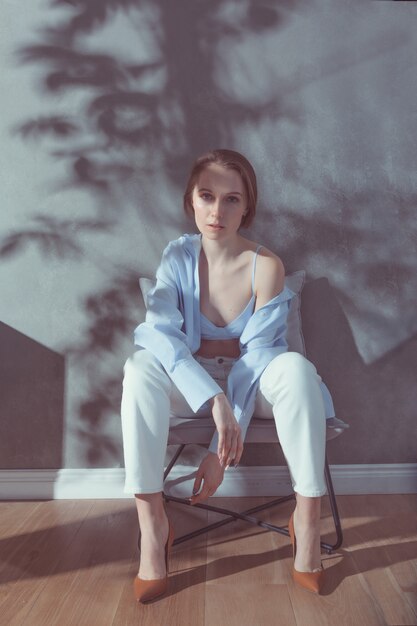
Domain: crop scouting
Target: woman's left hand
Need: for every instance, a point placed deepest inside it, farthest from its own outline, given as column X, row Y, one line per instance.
column 211, row 473
column 230, row 446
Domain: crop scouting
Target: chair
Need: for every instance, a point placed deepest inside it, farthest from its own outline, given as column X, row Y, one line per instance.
column 185, row 431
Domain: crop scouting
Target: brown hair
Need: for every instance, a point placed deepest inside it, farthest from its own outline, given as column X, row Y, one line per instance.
column 230, row 159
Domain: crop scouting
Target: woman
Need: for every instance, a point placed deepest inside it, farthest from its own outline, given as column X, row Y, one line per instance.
column 213, row 343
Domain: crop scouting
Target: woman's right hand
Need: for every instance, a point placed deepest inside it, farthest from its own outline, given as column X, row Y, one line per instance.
column 230, row 446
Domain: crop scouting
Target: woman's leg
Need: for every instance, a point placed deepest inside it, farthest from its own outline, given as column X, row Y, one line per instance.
column 145, row 424
column 154, row 529
column 147, row 401
column 291, row 385
column 307, row 531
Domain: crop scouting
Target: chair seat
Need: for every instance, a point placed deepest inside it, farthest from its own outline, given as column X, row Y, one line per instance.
column 185, row 430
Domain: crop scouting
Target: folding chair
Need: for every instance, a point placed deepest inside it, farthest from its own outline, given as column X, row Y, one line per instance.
column 185, row 431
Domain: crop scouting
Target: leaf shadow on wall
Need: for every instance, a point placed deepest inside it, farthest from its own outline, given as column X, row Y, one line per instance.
column 147, row 113
column 125, row 125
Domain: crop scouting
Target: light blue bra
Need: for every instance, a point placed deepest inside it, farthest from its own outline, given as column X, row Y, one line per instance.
column 235, row 328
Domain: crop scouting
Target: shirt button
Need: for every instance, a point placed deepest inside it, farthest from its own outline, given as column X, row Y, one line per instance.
column 220, row 361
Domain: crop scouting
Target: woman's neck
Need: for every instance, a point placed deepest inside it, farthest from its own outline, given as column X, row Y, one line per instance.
column 218, row 252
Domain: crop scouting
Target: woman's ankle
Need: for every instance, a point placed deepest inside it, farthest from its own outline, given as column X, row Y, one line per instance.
column 150, row 504
column 151, row 513
column 307, row 510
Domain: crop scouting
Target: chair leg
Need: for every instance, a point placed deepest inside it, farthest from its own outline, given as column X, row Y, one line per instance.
column 335, row 511
column 174, row 459
column 232, row 515
column 246, row 515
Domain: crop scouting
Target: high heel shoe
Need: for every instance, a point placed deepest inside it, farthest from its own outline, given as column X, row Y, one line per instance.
column 146, row 590
column 311, row 581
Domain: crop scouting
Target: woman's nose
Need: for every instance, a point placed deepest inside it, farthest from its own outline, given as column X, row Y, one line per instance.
column 216, row 208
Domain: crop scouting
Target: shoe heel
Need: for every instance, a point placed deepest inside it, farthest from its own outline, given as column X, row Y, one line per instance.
column 168, row 546
column 147, row 590
column 310, row 581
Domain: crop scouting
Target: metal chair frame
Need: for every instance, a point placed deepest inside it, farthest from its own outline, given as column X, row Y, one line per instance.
column 247, row 515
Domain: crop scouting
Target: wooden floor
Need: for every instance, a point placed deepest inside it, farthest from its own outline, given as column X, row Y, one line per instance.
column 73, row 561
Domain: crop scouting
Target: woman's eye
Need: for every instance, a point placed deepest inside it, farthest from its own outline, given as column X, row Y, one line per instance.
column 233, row 199
column 206, row 196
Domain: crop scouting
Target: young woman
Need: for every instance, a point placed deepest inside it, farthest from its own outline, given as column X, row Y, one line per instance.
column 213, row 343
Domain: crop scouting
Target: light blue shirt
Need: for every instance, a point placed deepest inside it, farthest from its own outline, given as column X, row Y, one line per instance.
column 171, row 332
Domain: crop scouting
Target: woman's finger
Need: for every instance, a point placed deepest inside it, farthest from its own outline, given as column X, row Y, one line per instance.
column 227, row 445
column 203, row 495
column 220, row 445
column 233, row 448
column 239, row 450
column 232, row 453
column 235, row 445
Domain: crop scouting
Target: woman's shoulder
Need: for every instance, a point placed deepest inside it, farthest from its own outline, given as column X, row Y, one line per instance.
column 184, row 242
column 270, row 273
column 266, row 258
column 178, row 256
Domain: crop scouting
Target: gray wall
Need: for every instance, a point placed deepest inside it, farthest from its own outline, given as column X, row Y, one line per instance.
column 104, row 105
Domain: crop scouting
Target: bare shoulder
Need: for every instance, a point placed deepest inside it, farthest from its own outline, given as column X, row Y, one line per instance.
column 270, row 262
column 269, row 277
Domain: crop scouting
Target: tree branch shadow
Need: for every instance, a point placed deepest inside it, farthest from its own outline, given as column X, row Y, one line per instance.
column 151, row 112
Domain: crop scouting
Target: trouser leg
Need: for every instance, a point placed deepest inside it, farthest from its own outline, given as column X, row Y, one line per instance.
column 291, row 384
column 149, row 399
column 145, row 422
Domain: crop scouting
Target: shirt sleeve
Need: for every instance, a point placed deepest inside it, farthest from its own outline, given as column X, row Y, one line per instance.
column 162, row 334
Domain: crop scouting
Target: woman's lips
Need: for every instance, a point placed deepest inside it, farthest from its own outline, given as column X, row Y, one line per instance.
column 215, row 226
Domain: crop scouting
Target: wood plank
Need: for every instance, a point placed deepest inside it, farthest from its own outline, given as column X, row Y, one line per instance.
column 22, row 551
column 248, row 604
column 73, row 562
column 86, row 584
column 379, row 537
column 333, row 606
column 243, row 551
column 13, row 515
column 15, row 518
column 35, row 552
column 344, row 599
column 243, row 563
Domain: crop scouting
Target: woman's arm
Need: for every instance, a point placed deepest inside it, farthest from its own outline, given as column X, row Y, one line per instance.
column 163, row 334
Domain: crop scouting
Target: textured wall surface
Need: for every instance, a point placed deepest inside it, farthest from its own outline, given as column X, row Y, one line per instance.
column 105, row 104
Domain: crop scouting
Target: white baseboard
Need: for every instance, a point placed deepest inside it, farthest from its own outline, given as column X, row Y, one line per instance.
column 242, row 481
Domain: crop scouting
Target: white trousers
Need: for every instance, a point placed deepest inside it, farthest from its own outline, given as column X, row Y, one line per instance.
column 289, row 392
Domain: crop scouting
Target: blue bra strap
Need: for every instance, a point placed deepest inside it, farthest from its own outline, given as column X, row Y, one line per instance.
column 253, row 269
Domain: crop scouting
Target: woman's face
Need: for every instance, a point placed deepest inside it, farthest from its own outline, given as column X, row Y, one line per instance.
column 219, row 201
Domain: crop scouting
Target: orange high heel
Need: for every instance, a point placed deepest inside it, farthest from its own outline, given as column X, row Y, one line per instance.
column 146, row 590
column 311, row 581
